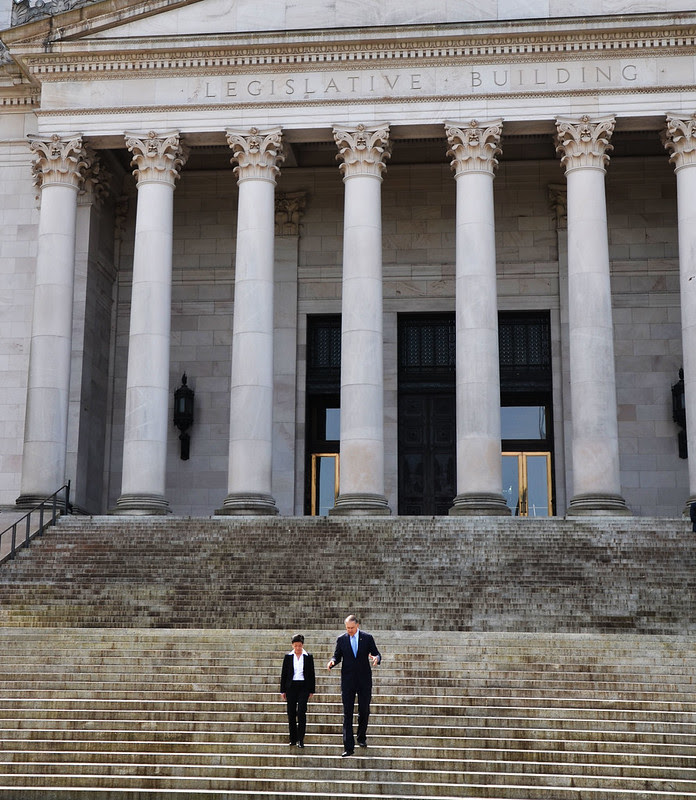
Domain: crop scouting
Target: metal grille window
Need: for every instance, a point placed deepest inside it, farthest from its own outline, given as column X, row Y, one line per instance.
column 427, row 343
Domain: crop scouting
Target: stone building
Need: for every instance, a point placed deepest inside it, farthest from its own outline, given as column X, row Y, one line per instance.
column 413, row 258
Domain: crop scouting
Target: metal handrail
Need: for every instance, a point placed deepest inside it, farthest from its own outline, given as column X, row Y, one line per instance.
column 41, row 508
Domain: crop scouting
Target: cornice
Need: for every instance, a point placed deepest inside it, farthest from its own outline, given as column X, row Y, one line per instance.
column 574, row 39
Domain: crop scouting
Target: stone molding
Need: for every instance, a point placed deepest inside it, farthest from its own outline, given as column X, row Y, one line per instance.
column 679, row 138
column 289, row 208
column 251, row 50
column 584, row 143
column 474, row 147
column 156, row 158
column 362, row 151
column 59, row 161
column 258, row 153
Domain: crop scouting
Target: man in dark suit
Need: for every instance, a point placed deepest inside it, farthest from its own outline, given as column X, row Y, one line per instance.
column 297, row 685
column 358, row 652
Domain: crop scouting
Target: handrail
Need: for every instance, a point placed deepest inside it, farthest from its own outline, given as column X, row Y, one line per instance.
column 24, row 540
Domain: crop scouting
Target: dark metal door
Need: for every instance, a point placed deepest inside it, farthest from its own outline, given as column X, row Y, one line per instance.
column 427, row 453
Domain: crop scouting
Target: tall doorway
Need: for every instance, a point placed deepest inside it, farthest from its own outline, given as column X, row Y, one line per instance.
column 427, row 413
column 323, row 413
column 426, row 408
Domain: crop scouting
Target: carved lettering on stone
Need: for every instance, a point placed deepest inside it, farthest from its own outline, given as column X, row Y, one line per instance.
column 584, row 142
column 59, row 160
column 362, row 151
column 156, row 158
column 289, row 208
column 258, row 153
column 679, row 139
column 474, row 147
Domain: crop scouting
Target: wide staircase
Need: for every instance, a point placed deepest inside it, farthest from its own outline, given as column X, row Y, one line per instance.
column 521, row 660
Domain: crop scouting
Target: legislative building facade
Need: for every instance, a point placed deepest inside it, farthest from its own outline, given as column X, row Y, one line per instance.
column 411, row 258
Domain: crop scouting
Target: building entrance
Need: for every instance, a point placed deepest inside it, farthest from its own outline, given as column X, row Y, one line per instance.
column 427, row 413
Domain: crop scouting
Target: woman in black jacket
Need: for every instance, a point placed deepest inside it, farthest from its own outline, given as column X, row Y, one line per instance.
column 297, row 685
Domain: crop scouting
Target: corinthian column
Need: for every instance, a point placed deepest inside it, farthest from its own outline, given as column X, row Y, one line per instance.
column 258, row 155
column 157, row 160
column 58, row 171
column 680, row 140
column 584, row 148
column 474, row 149
column 363, row 153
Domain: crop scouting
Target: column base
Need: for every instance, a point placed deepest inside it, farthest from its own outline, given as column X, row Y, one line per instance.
column 479, row 505
column 687, row 507
column 26, row 501
column 357, row 504
column 598, row 505
column 248, row 505
column 140, row 505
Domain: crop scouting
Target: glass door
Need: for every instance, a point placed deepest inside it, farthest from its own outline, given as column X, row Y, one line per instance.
column 527, row 484
column 324, row 487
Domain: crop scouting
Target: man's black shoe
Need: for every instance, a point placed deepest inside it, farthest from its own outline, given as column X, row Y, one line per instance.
column 300, row 744
column 292, row 743
column 346, row 753
column 362, row 744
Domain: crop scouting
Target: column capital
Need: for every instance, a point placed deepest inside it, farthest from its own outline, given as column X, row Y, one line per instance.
column 289, row 207
column 59, row 161
column 558, row 203
column 363, row 151
column 583, row 142
column 156, row 158
column 679, row 138
column 474, row 147
column 97, row 180
column 258, row 153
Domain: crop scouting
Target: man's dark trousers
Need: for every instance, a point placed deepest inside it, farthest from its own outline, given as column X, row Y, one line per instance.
column 349, row 690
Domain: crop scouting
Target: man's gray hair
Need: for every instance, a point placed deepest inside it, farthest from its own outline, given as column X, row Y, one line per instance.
column 352, row 618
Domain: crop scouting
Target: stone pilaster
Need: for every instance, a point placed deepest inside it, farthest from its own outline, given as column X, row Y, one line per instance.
column 474, row 149
column 680, row 141
column 59, row 172
column 157, row 160
column 584, row 147
column 362, row 153
column 258, row 156
column 287, row 457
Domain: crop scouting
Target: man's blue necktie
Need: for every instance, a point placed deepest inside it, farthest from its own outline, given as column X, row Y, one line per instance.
column 354, row 645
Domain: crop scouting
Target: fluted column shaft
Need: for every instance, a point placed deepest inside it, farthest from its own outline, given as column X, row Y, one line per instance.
column 258, row 155
column 584, row 147
column 680, row 139
column 479, row 464
column 58, row 170
column 363, row 153
column 157, row 160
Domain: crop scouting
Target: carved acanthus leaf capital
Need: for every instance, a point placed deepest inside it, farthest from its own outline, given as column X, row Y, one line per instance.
column 156, row 158
column 679, row 139
column 583, row 143
column 362, row 151
column 474, row 147
column 97, row 181
column 258, row 154
column 289, row 208
column 59, row 161
column 558, row 203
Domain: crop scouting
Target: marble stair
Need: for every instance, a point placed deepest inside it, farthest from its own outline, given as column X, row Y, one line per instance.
column 134, row 713
column 610, row 575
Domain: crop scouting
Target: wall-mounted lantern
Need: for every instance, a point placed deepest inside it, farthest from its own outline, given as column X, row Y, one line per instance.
column 183, row 414
column 679, row 413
